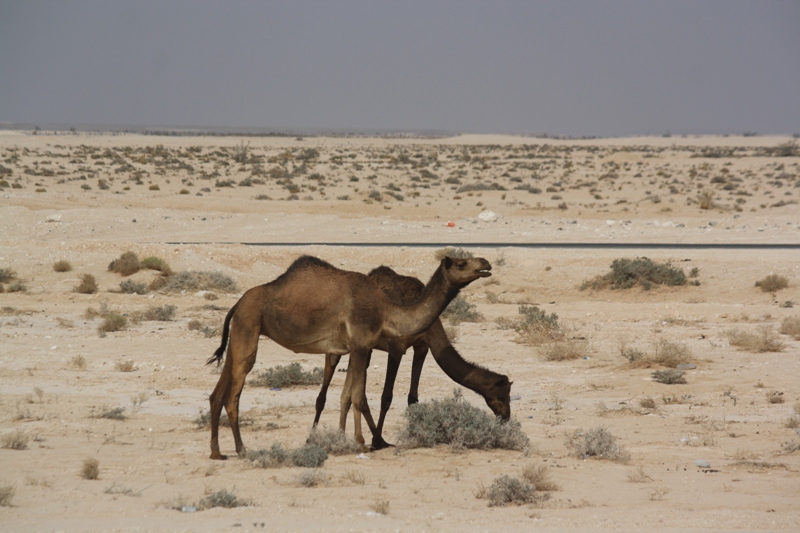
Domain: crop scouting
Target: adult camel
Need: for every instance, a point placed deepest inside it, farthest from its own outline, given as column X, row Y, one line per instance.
column 315, row 307
column 403, row 290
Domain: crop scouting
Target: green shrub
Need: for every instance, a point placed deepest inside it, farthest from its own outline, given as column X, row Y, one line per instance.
column 309, row 456
column 156, row 263
column 287, row 376
column 627, row 273
column 458, row 424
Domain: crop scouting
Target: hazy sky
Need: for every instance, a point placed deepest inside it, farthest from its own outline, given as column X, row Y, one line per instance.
column 582, row 67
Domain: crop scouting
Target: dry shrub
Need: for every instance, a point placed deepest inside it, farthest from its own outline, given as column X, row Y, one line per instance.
column 156, row 263
column 564, row 350
column 88, row 285
column 647, row 403
column 761, row 341
column 775, row 397
column 125, row 366
column 110, row 413
column 627, row 273
column 7, row 274
column 510, row 490
column 7, row 492
column 16, row 440
column 199, row 281
column 772, row 283
column 312, row 478
column 309, row 456
column 333, row 440
column 669, row 377
column 90, row 468
column 665, row 353
column 273, row 457
column 62, row 266
column 639, row 476
column 287, row 376
column 125, row 265
column 536, row 327
column 597, row 442
column 113, row 322
column 128, row 286
column 791, row 326
column 460, row 310
column 539, row 477
column 380, row 506
column 223, row 498
column 460, row 425
column 455, row 253
column 78, row 362
column 162, row 313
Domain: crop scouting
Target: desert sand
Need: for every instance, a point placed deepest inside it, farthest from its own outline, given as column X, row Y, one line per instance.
column 202, row 203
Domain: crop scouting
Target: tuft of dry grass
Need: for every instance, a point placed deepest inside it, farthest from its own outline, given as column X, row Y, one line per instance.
column 761, row 341
column 16, row 440
column 539, row 477
column 380, row 506
column 90, row 468
column 597, row 442
column 669, row 377
column 78, row 362
column 312, row 478
column 88, row 285
column 638, row 475
column 62, row 265
column 565, row 350
column 113, row 322
column 7, row 492
column 125, row 366
column 791, row 326
column 772, row 283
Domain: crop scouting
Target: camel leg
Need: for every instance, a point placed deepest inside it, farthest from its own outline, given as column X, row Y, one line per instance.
column 242, row 357
column 420, row 353
column 395, row 356
column 331, row 362
column 359, row 361
column 346, row 402
column 219, row 397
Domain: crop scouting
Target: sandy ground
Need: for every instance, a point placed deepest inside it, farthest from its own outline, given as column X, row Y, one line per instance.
column 87, row 199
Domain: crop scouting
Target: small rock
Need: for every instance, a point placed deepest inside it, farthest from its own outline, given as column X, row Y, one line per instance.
column 686, row 366
column 701, row 463
column 488, row 216
column 55, row 217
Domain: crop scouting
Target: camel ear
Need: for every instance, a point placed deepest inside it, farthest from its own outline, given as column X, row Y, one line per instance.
column 447, row 261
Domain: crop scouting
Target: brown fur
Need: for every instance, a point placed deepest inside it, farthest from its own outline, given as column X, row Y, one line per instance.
column 404, row 290
column 315, row 307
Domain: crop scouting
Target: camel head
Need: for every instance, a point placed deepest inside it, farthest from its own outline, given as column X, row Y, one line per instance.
column 463, row 271
column 498, row 398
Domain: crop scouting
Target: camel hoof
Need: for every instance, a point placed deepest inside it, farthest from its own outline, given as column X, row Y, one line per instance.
column 380, row 444
column 218, row 456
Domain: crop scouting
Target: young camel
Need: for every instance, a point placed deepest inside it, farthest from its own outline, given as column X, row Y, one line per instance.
column 403, row 290
column 315, row 307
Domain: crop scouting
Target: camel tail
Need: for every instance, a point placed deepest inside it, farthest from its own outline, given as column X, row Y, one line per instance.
column 226, row 328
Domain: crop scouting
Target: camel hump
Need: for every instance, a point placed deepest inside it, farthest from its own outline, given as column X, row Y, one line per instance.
column 398, row 288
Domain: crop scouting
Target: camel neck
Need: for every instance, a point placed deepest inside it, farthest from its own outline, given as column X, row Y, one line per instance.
column 414, row 319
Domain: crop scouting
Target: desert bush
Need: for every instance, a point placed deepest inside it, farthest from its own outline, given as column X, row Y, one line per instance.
column 128, row 286
column 791, row 326
column 565, row 350
column 309, row 456
column 7, row 492
column 273, row 457
column 761, row 341
column 333, row 440
column 458, row 424
column 449, row 251
column 380, row 506
column 78, row 361
column 222, row 498
column 199, row 281
column 535, row 326
column 627, row 273
column 775, row 397
column 125, row 265
column 639, row 476
column 539, row 478
column 311, row 478
column 159, row 313
column 112, row 322
column 460, row 310
column 62, row 266
column 287, row 376
column 110, row 413
column 125, row 366
column 647, row 403
column 793, row 421
column 16, row 286
column 510, row 490
column 669, row 377
column 88, row 285
column 772, row 283
column 668, row 353
column 90, row 468
column 156, row 263
column 16, row 440
column 7, row 274
column 597, row 442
